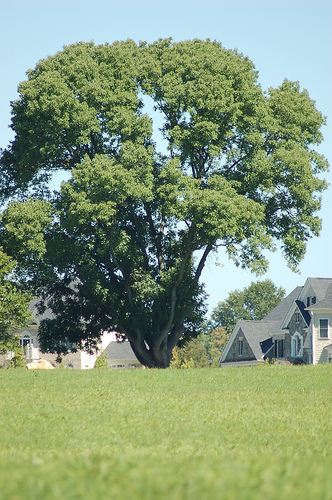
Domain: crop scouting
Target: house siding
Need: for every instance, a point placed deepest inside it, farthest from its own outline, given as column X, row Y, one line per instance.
column 72, row 360
column 320, row 356
column 124, row 364
column 233, row 353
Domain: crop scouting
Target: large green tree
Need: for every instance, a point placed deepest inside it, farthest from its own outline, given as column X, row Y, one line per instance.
column 252, row 303
column 123, row 243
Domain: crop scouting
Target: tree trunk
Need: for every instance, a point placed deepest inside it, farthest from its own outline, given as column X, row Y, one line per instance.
column 156, row 357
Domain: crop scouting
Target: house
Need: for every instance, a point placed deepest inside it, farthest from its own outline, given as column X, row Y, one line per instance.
column 121, row 356
column 120, row 353
column 299, row 329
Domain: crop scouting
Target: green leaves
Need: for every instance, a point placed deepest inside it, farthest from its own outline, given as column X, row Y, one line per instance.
column 216, row 211
column 203, row 91
column 252, row 303
column 295, row 114
column 239, row 171
column 24, row 225
column 14, row 304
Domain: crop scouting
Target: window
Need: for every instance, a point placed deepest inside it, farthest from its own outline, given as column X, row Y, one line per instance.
column 297, row 317
column 26, row 341
column 241, row 347
column 323, row 328
column 311, row 301
column 297, row 345
column 279, row 348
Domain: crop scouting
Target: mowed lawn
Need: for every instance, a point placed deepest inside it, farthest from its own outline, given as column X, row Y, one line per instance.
column 235, row 433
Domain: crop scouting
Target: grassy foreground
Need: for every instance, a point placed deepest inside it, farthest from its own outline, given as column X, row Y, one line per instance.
column 235, row 433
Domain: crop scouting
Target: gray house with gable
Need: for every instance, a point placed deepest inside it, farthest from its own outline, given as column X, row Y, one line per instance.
column 299, row 329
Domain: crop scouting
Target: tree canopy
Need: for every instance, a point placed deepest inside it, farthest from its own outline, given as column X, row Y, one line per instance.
column 122, row 244
column 252, row 303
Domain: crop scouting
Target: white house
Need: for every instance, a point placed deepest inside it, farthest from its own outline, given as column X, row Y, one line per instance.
column 120, row 352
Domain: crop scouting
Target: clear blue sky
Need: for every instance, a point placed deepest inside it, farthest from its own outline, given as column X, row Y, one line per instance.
column 284, row 38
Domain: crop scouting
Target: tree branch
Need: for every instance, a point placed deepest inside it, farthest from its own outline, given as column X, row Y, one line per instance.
column 178, row 329
column 202, row 262
column 142, row 353
column 176, row 334
column 93, row 144
column 157, row 236
column 117, row 263
column 237, row 162
column 164, row 331
column 139, row 236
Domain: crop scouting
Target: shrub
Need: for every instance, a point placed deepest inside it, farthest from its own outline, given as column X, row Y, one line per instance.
column 102, row 362
column 18, row 360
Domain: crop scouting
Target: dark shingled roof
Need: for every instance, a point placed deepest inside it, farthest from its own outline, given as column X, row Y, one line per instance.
column 326, row 301
column 279, row 313
column 321, row 286
column 256, row 332
column 304, row 312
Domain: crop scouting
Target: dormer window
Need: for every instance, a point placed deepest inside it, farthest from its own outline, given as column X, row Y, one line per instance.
column 311, row 301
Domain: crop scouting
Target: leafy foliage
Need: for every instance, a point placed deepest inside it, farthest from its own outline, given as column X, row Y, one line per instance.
column 192, row 355
column 205, row 350
column 101, row 362
column 123, row 243
column 17, row 360
column 252, row 303
column 215, row 341
column 14, row 303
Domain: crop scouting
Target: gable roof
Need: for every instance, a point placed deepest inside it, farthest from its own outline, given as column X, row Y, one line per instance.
column 255, row 332
column 120, row 351
column 320, row 286
column 325, row 303
column 279, row 313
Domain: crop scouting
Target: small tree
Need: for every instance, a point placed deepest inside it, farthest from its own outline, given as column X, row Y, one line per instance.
column 14, row 308
column 252, row 303
column 214, row 342
column 101, row 362
column 18, row 360
column 192, row 355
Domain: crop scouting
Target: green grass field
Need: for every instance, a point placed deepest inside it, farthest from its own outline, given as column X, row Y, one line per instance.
column 235, row 433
